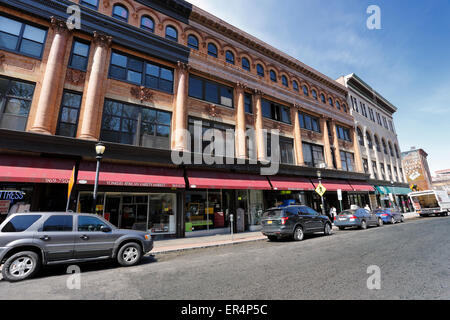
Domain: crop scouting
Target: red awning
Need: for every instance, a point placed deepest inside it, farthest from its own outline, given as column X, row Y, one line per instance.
column 333, row 185
column 35, row 169
column 131, row 176
column 361, row 186
column 221, row 180
column 291, row 183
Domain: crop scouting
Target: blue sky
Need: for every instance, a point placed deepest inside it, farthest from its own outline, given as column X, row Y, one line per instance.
column 407, row 60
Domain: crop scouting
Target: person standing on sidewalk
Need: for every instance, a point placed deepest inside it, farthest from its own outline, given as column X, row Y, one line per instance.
column 333, row 213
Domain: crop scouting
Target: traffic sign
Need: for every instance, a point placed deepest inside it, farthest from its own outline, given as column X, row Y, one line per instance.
column 321, row 189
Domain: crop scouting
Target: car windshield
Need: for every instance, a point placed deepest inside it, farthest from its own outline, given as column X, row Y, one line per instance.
column 273, row 213
column 346, row 212
column 378, row 210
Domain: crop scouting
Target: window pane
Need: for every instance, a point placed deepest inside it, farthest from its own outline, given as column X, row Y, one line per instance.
column 226, row 96
column 58, row 223
column 166, row 74
column 120, row 12
column 308, row 123
column 245, row 64
column 89, row 223
column 17, row 107
column 119, row 60
column 135, row 77
column 10, row 26
column 20, row 223
column 147, row 23
column 285, row 115
column 195, row 88
column 79, row 62
column 266, row 109
column 8, row 41
column 193, row 42
column 31, row 48
column 21, row 89
column 307, row 154
column 118, row 73
column 163, row 118
column 81, row 49
column 67, row 129
column 148, row 115
column 315, row 125
column 163, row 131
column 72, row 100
column 211, row 92
column 33, row 33
column 171, row 33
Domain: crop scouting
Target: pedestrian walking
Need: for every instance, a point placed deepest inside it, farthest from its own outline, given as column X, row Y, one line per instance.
column 333, row 213
column 367, row 207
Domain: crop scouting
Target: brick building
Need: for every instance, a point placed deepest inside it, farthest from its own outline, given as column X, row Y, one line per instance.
column 416, row 168
column 137, row 76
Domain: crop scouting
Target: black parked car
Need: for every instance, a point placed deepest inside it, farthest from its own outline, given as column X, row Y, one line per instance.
column 293, row 221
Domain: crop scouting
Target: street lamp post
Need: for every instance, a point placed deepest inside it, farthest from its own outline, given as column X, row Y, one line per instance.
column 393, row 195
column 319, row 175
column 99, row 150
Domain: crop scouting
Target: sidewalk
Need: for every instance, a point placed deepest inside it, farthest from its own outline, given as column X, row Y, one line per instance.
column 173, row 245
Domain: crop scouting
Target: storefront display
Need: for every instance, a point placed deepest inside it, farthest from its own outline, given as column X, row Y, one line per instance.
column 14, row 198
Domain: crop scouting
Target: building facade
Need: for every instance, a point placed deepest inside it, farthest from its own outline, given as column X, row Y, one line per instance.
column 416, row 168
column 441, row 180
column 142, row 76
column 378, row 143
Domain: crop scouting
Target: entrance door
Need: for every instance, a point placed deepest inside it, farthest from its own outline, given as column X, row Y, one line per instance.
column 242, row 210
column 112, row 208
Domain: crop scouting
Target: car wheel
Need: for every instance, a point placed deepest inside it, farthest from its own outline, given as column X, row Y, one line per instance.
column 272, row 238
column 363, row 225
column 327, row 229
column 20, row 266
column 129, row 254
column 402, row 219
column 392, row 220
column 298, row 234
column 380, row 222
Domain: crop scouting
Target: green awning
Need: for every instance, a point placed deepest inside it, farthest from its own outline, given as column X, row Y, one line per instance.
column 383, row 189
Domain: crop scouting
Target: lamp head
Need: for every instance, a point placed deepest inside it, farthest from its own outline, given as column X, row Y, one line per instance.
column 319, row 174
column 100, row 149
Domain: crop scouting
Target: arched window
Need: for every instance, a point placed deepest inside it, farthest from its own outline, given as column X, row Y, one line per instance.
column 93, row 4
column 391, row 151
column 212, row 50
column 384, row 146
column 305, row 90
column 369, row 140
column 192, row 42
column 314, row 94
column 229, row 57
column 295, row 85
column 120, row 12
column 273, row 76
column 171, row 33
column 377, row 143
column 322, row 97
column 330, row 102
column 360, row 136
column 284, row 81
column 260, row 70
column 245, row 64
column 344, row 106
column 338, row 105
column 147, row 23
column 396, row 151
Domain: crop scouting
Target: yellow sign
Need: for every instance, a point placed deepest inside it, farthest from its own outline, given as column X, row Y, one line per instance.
column 320, row 189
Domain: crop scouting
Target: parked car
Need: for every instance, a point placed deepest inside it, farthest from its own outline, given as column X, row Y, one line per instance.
column 360, row 218
column 389, row 215
column 29, row 240
column 293, row 221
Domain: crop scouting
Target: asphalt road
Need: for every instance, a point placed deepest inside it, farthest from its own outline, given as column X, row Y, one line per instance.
column 413, row 257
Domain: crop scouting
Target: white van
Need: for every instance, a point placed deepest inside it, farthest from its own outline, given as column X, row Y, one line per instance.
column 436, row 202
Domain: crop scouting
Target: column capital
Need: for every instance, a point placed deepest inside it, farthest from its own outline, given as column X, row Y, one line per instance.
column 241, row 86
column 102, row 40
column 258, row 92
column 186, row 67
column 59, row 25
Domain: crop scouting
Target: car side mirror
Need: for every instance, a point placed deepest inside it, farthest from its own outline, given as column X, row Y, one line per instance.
column 105, row 229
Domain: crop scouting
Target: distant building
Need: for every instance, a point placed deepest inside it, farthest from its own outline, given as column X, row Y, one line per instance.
column 416, row 168
column 442, row 180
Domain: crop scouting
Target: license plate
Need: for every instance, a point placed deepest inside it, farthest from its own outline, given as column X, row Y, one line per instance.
column 269, row 222
column 342, row 219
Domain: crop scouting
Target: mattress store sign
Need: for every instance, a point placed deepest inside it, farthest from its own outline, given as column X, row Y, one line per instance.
column 11, row 195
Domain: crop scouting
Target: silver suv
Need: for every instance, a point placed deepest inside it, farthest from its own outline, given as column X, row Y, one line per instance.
column 29, row 240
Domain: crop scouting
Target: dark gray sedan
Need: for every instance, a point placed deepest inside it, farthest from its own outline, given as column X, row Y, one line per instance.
column 360, row 218
column 29, row 240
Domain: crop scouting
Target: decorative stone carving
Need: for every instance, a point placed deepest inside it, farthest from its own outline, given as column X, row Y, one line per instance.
column 60, row 26
column 183, row 66
column 102, row 40
column 258, row 92
column 241, row 86
column 106, row 3
column 75, row 77
column 141, row 93
column 213, row 111
column 276, row 126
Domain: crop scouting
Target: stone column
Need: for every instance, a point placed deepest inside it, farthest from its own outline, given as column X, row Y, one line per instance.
column 240, row 121
column 260, row 143
column 298, row 143
column 358, row 159
column 326, row 143
column 400, row 176
column 369, row 158
column 337, row 151
column 394, row 177
column 180, row 142
column 386, row 170
column 93, row 105
column 45, row 109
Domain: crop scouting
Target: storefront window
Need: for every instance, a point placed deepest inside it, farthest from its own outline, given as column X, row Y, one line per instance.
column 14, row 199
column 154, row 212
column 204, row 210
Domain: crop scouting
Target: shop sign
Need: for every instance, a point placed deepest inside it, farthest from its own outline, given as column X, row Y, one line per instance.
column 339, row 194
column 11, row 195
